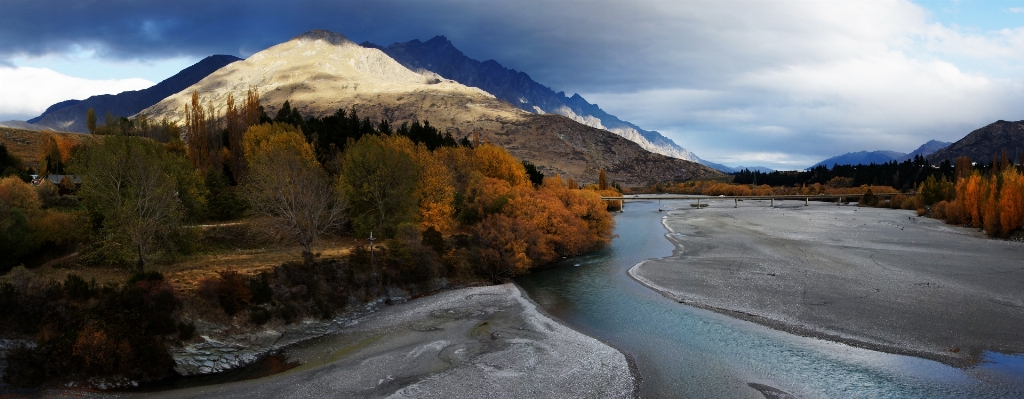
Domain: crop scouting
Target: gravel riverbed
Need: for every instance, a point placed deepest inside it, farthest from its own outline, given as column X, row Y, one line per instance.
column 876, row 278
column 473, row 342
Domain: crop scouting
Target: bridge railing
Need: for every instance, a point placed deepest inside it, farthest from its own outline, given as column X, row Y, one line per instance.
column 736, row 199
column 744, row 197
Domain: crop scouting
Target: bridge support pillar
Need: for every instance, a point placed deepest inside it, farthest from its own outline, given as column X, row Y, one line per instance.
column 659, row 205
column 807, row 201
column 698, row 203
column 840, row 201
column 773, row 202
column 737, row 202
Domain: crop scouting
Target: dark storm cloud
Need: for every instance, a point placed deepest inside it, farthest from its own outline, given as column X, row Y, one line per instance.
column 777, row 83
column 601, row 45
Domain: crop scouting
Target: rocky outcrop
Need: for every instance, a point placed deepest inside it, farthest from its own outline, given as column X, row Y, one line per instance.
column 220, row 348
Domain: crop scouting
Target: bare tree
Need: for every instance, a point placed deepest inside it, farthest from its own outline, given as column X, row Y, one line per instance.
column 290, row 188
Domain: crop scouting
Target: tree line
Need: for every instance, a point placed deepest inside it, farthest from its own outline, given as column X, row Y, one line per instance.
column 902, row 176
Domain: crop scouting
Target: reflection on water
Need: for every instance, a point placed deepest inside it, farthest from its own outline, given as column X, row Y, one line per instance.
column 687, row 352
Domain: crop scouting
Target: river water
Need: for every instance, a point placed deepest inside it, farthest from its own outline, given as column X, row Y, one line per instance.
column 685, row 352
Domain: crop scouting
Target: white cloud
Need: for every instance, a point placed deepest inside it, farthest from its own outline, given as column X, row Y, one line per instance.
column 818, row 79
column 28, row 90
column 1015, row 10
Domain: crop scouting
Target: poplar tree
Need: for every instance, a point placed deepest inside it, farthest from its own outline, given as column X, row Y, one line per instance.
column 90, row 120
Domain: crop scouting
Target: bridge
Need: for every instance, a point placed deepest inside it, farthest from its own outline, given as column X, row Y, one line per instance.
column 736, row 199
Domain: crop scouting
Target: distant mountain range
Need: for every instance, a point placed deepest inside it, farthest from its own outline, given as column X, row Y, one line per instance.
column 880, row 157
column 439, row 56
column 320, row 72
column 981, row 144
column 69, row 115
column 860, row 158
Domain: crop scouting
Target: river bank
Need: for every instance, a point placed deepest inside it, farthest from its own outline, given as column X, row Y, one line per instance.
column 879, row 279
column 462, row 343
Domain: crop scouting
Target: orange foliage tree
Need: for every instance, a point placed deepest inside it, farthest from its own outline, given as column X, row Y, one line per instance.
column 1011, row 201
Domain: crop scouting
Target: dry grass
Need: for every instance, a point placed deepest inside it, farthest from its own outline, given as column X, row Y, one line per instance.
column 186, row 272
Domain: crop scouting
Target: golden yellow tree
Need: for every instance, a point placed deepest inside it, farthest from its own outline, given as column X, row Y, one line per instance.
column 493, row 161
column 1011, row 201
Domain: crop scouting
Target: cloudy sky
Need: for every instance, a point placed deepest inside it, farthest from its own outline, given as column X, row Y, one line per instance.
column 782, row 84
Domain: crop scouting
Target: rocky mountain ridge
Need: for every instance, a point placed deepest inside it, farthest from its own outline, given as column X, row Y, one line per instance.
column 438, row 55
column 981, row 144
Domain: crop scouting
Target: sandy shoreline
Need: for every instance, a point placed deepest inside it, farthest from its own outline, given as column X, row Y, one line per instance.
column 873, row 278
column 469, row 342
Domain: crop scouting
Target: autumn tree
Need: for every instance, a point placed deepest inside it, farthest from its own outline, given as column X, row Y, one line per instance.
column 381, row 183
column 1011, row 201
column 493, row 161
column 436, row 187
column 990, row 206
column 962, row 169
column 54, row 155
column 286, row 184
column 235, row 129
column 602, row 180
column 129, row 183
column 201, row 136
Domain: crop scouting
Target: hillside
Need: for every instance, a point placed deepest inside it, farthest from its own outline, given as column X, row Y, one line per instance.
column 71, row 116
column 981, row 144
column 438, row 55
column 320, row 72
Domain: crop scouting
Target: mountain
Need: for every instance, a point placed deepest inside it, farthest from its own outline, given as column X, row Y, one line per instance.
column 981, row 144
column 320, row 72
column 54, row 107
column 861, row 158
column 69, row 116
column 438, row 55
column 925, row 149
